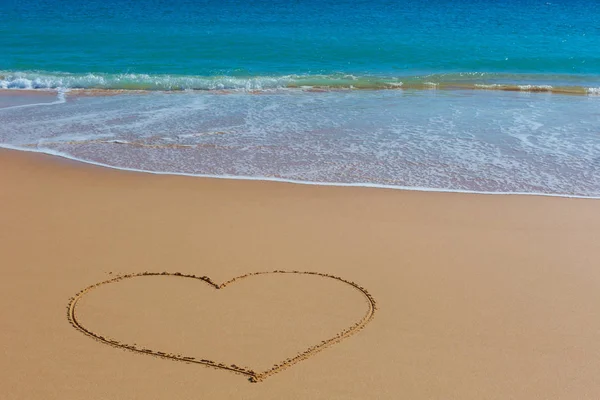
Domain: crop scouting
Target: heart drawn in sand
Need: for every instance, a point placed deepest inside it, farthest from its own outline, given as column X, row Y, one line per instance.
column 253, row 376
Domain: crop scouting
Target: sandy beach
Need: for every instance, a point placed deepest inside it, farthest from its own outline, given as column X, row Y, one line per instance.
column 478, row 296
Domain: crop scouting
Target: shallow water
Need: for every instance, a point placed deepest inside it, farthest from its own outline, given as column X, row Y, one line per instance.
column 452, row 140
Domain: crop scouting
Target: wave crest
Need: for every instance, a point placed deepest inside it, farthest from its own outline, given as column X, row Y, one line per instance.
column 40, row 80
column 36, row 80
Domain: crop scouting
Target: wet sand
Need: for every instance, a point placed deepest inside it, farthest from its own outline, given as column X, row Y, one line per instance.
column 11, row 98
column 478, row 296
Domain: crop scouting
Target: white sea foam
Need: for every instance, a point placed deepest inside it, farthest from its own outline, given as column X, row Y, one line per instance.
column 490, row 86
column 118, row 141
column 540, row 88
column 40, row 80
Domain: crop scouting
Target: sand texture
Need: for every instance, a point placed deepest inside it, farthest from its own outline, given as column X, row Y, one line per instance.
column 439, row 296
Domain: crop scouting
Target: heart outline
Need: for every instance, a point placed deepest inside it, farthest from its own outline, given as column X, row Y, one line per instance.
column 252, row 375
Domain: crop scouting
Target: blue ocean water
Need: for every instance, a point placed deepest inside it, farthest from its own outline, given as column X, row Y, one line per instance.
column 134, row 44
column 484, row 95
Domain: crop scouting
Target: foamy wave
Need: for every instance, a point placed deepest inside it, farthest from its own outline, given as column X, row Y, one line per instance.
column 594, row 91
column 43, row 80
column 490, row 87
column 524, row 88
column 96, row 81
column 34, row 80
column 536, row 88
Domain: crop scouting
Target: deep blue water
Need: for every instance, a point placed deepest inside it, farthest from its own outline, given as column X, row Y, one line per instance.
column 512, row 41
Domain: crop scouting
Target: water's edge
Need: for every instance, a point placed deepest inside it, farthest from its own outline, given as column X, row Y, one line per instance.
column 290, row 181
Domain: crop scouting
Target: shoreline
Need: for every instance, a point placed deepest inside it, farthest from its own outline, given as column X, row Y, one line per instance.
column 290, row 181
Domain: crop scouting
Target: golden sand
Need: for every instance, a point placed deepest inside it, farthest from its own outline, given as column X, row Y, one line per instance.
column 478, row 296
column 139, row 312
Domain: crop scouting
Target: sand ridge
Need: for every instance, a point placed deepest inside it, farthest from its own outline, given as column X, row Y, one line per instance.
column 252, row 375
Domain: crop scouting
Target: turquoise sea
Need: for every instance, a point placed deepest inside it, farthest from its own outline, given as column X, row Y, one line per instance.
column 454, row 95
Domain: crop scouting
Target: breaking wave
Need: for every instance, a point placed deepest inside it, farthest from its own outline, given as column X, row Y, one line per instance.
column 40, row 80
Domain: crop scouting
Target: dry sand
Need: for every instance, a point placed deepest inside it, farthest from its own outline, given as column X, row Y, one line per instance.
column 479, row 297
